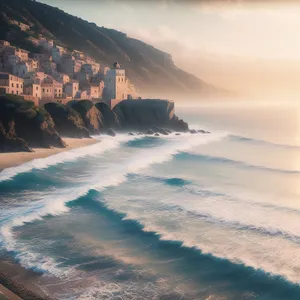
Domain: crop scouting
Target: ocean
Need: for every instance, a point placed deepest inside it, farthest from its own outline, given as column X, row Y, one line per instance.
column 205, row 216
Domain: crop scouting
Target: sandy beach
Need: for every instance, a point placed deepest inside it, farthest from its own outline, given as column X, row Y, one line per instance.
column 8, row 160
column 12, row 275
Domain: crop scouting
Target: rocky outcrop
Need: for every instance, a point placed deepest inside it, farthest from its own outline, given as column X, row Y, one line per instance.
column 110, row 132
column 67, row 121
column 91, row 116
column 22, row 121
column 9, row 142
column 97, row 118
column 109, row 118
column 147, row 114
column 22, row 125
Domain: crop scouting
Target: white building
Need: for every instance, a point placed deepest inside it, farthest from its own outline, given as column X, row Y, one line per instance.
column 10, row 84
column 71, row 88
column 35, row 77
column 33, row 90
column 82, row 95
column 47, row 91
column 116, row 83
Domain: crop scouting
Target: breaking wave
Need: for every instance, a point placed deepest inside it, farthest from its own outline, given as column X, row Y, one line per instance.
column 106, row 143
column 54, row 203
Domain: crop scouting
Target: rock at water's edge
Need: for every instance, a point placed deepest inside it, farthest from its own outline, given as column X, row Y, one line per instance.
column 148, row 113
column 110, row 132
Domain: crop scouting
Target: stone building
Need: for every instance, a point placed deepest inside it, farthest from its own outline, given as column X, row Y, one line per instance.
column 90, row 69
column 35, row 77
column 57, row 53
column 12, row 60
column 33, row 90
column 56, row 87
column 47, row 92
column 10, row 84
column 61, row 77
column 95, row 90
column 70, row 66
column 71, row 88
column 82, row 95
column 21, row 69
column 115, row 85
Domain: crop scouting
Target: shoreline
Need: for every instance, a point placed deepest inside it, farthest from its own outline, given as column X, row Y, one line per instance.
column 13, row 159
column 16, row 282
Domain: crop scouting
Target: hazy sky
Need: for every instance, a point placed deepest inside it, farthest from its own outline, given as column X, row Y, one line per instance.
column 237, row 45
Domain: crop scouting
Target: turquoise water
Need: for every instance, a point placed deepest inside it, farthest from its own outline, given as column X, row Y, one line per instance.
column 178, row 217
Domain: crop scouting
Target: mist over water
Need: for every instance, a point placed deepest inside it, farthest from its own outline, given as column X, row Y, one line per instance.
column 178, row 217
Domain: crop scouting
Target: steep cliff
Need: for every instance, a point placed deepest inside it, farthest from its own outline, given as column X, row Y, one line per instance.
column 152, row 71
column 67, row 121
column 91, row 116
column 110, row 119
column 9, row 141
column 21, row 120
column 22, row 125
column 148, row 113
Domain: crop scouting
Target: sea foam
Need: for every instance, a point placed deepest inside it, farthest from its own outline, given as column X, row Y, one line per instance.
column 107, row 143
column 54, row 203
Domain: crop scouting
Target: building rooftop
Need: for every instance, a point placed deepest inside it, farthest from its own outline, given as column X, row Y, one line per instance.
column 116, row 65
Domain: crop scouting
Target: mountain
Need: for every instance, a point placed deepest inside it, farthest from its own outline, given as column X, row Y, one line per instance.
column 152, row 71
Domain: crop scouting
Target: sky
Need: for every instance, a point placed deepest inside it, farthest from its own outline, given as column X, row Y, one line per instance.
column 247, row 46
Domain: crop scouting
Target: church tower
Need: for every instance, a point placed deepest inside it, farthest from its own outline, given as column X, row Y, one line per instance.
column 116, row 83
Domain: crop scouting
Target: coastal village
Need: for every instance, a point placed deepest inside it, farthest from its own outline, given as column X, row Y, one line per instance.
column 59, row 75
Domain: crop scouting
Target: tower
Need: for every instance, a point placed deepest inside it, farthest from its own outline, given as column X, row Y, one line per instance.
column 116, row 83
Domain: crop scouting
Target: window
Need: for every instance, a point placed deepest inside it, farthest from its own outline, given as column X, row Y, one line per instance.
column 43, row 90
column 17, row 85
column 21, row 86
column 55, row 90
column 12, row 85
column 37, row 88
column 36, row 94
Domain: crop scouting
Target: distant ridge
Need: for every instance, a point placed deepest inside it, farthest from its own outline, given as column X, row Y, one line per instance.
column 152, row 71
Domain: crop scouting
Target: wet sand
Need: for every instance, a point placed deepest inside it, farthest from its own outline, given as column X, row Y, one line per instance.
column 18, row 283
column 13, row 159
